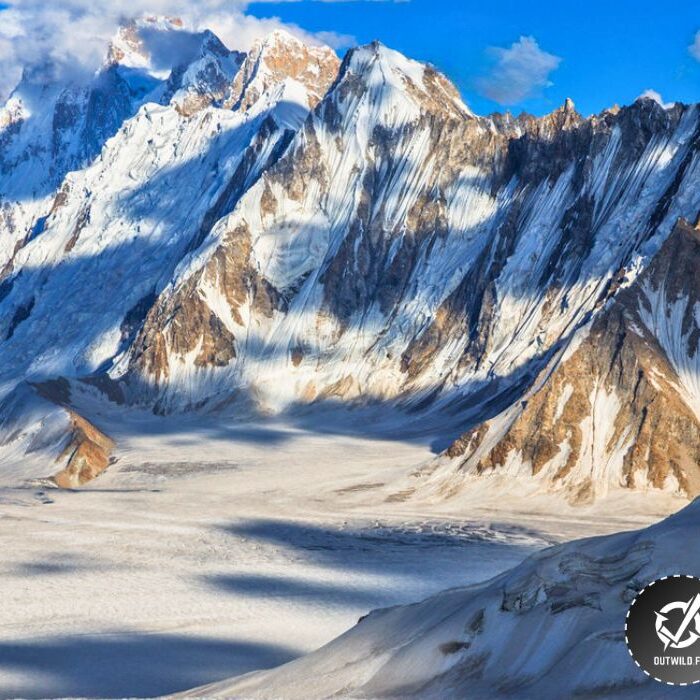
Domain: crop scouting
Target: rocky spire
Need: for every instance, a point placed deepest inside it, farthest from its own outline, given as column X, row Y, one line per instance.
column 281, row 58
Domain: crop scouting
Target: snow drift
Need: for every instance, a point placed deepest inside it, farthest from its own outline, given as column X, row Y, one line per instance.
column 552, row 627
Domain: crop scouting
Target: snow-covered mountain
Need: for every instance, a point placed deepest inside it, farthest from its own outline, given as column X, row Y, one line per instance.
column 552, row 627
column 619, row 405
column 204, row 230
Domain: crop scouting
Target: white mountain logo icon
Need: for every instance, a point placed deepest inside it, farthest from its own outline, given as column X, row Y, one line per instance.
column 684, row 636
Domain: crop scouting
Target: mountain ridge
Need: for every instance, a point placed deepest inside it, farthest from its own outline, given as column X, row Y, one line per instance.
column 289, row 229
column 652, row 433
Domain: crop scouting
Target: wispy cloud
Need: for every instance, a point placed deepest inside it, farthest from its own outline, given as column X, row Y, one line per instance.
column 694, row 48
column 518, row 72
column 656, row 96
column 73, row 35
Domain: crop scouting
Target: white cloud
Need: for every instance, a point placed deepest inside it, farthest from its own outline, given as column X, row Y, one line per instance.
column 694, row 48
column 518, row 72
column 654, row 95
column 73, row 35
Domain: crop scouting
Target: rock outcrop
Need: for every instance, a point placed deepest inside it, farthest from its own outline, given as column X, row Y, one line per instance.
column 618, row 408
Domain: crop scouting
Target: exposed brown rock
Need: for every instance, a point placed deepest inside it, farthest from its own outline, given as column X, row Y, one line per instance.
column 194, row 102
column 230, row 269
column 343, row 388
column 153, row 355
column 61, row 198
column 277, row 57
column 129, row 35
column 297, row 356
column 268, row 203
column 468, row 442
column 657, row 431
column 88, row 454
column 191, row 325
column 296, row 169
column 82, row 220
column 182, row 322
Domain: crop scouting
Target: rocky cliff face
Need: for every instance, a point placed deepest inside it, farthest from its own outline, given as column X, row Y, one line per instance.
column 276, row 228
column 619, row 407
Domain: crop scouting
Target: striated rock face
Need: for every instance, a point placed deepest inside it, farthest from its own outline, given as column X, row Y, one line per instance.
column 279, row 228
column 620, row 407
column 426, row 252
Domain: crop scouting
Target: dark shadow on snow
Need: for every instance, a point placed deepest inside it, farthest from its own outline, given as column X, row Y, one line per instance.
column 375, row 566
column 383, row 549
column 128, row 664
column 315, row 592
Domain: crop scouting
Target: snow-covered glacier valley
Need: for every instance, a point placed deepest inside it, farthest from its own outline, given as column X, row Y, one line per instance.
column 209, row 551
column 286, row 338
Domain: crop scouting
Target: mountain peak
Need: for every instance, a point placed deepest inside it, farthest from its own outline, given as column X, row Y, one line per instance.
column 164, row 60
column 160, row 44
column 280, row 45
column 563, row 118
column 281, row 58
column 280, row 37
column 385, row 70
column 128, row 46
column 280, row 42
column 162, row 21
column 567, row 110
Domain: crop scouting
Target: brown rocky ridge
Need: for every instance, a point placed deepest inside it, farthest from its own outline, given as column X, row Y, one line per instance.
column 613, row 411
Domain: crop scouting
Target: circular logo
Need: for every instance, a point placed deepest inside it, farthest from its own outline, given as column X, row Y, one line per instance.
column 663, row 630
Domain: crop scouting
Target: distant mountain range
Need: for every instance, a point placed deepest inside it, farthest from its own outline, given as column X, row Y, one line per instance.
column 203, row 230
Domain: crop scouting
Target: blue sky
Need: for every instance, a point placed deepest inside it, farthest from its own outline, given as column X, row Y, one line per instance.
column 611, row 51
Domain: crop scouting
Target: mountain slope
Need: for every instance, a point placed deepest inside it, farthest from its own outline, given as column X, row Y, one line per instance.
column 268, row 230
column 52, row 126
column 619, row 408
column 401, row 247
column 551, row 627
column 115, row 230
column 87, row 252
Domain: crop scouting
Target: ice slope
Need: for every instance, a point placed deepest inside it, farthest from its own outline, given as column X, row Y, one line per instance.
column 551, row 627
column 106, row 187
column 111, row 236
column 50, row 127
